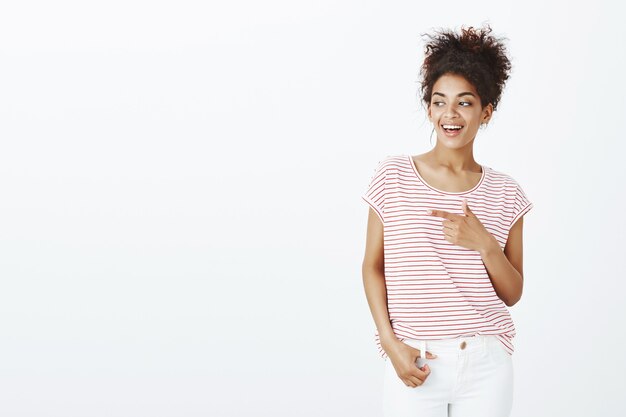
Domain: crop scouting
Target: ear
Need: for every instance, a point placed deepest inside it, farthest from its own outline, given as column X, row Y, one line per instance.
column 487, row 112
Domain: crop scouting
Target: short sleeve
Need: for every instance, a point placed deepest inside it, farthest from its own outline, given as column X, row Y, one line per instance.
column 521, row 203
column 375, row 193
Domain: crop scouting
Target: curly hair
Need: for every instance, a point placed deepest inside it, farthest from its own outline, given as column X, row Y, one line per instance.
column 473, row 54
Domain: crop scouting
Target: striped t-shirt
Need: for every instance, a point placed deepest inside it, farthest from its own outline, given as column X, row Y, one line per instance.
column 436, row 289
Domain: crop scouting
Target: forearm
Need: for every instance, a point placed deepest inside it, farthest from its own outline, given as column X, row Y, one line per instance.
column 376, row 293
column 506, row 280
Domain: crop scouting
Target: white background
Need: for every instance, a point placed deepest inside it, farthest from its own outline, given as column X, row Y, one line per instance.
column 181, row 227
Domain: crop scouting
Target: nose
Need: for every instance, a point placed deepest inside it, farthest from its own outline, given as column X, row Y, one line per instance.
column 450, row 112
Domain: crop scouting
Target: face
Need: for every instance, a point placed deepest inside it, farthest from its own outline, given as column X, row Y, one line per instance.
column 454, row 101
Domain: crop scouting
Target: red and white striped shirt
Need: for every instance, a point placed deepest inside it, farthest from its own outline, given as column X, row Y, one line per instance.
column 436, row 289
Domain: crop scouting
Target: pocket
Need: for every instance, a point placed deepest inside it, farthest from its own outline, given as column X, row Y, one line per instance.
column 498, row 351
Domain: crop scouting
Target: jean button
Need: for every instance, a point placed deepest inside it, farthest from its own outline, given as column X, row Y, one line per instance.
column 463, row 344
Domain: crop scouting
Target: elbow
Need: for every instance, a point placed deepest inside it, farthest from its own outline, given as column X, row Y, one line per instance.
column 369, row 270
column 370, row 265
column 510, row 302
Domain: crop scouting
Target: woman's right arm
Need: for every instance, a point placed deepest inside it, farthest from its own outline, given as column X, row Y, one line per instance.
column 402, row 356
column 374, row 279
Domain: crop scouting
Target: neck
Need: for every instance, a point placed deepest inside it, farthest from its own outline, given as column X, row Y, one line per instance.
column 456, row 160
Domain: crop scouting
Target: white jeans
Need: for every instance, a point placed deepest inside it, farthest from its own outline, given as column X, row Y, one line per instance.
column 471, row 379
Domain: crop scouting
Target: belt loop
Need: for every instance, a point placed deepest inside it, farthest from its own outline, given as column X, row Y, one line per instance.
column 423, row 350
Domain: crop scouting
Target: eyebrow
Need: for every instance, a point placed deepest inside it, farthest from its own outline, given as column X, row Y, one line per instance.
column 466, row 93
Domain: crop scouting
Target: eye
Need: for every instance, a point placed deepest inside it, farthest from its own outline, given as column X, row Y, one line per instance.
column 436, row 103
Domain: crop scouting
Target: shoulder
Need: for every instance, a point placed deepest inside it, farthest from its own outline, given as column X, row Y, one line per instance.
column 395, row 159
column 500, row 177
column 390, row 162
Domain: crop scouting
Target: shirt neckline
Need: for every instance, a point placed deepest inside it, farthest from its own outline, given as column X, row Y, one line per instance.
column 482, row 179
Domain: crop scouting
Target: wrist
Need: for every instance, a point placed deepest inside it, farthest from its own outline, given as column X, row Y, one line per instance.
column 490, row 246
column 387, row 339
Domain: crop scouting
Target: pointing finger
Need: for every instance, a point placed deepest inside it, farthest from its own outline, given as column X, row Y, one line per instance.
column 442, row 213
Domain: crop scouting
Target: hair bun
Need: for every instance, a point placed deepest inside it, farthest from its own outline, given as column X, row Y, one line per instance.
column 474, row 53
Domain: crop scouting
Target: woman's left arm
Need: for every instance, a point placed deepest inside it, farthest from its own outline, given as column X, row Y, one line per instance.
column 505, row 268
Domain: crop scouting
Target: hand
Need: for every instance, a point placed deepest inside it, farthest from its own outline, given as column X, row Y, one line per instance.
column 465, row 230
column 404, row 358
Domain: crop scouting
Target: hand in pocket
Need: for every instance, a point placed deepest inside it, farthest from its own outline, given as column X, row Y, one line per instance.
column 404, row 360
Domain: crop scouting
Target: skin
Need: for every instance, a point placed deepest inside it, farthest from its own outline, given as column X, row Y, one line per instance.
column 449, row 166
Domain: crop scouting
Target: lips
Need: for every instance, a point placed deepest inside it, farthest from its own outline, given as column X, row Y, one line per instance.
column 451, row 130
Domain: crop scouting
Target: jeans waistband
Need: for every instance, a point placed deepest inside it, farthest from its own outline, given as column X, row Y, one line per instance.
column 461, row 344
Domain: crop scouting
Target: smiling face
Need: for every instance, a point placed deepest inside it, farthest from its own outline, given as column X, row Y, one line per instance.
column 454, row 101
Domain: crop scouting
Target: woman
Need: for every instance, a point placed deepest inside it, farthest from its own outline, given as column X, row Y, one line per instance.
column 443, row 256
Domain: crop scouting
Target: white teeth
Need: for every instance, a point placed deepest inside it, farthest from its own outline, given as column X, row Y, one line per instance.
column 452, row 127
